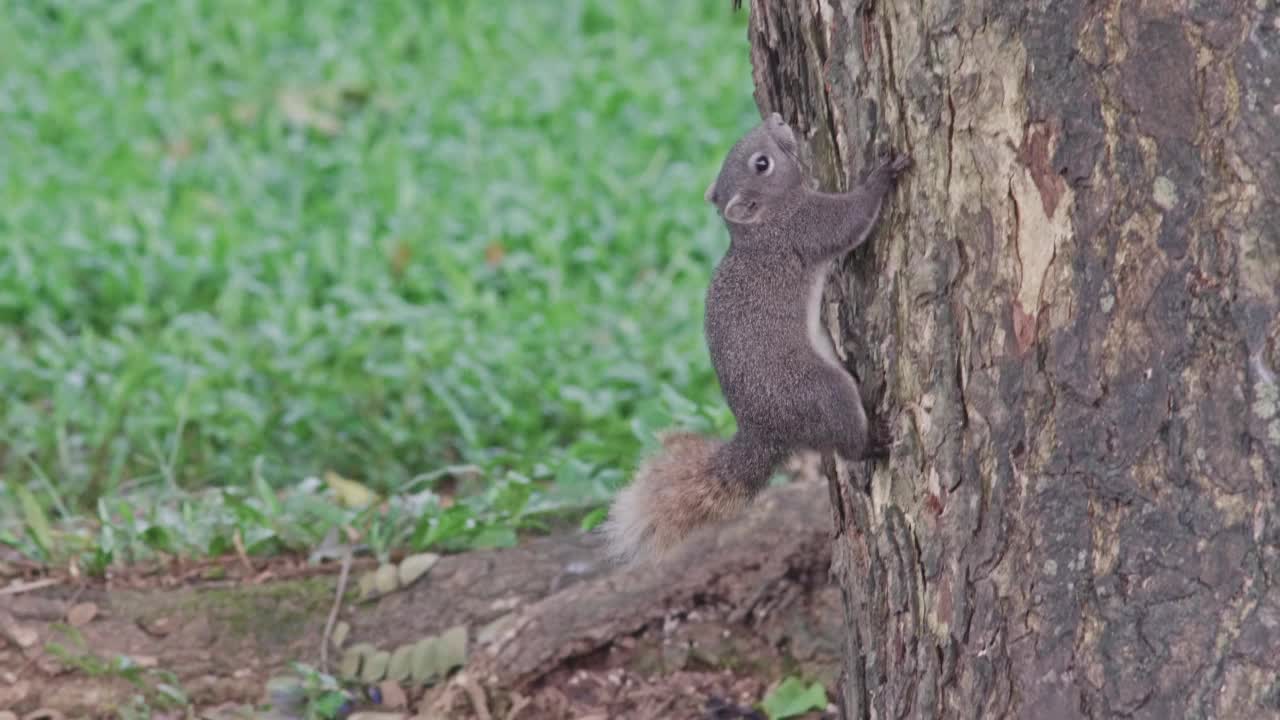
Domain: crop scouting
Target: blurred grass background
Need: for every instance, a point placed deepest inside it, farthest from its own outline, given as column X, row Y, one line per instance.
column 452, row 250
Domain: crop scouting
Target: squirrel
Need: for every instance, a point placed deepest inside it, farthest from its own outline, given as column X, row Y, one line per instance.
column 775, row 363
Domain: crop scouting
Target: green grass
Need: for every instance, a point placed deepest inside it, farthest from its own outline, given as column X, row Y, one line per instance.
column 244, row 243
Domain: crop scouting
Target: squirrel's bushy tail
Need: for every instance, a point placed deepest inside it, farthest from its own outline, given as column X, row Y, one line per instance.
column 692, row 482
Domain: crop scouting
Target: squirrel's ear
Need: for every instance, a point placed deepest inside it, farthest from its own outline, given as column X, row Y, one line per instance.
column 710, row 194
column 782, row 134
column 742, row 210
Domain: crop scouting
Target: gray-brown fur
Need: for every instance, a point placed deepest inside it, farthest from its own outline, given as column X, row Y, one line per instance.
column 774, row 361
column 692, row 482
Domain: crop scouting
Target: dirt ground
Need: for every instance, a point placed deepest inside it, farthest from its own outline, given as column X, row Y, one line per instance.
column 551, row 630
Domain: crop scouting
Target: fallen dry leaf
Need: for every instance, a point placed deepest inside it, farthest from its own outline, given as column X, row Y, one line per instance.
column 393, row 696
column 386, row 579
column 82, row 614
column 415, row 566
column 479, row 703
column 494, row 253
column 349, row 492
column 299, row 110
column 20, row 635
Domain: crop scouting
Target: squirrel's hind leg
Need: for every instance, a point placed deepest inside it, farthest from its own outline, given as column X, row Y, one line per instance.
column 836, row 421
column 843, row 425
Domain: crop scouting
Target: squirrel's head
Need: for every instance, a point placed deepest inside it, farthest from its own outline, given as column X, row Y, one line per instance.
column 760, row 171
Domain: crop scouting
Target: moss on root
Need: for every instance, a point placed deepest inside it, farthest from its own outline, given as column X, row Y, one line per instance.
column 276, row 613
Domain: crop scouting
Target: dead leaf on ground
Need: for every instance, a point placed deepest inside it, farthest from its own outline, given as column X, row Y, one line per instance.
column 300, row 109
column 375, row 666
column 349, row 492
column 82, row 614
column 393, row 696
column 494, row 253
column 386, row 579
column 452, row 648
column 479, row 703
column 340, row 633
column 415, row 566
column 20, row 635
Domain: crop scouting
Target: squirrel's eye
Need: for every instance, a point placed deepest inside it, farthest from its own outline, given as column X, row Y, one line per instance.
column 761, row 163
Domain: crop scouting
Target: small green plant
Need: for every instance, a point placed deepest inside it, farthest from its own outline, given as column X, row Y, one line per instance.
column 217, row 521
column 159, row 688
column 792, row 697
column 308, row 693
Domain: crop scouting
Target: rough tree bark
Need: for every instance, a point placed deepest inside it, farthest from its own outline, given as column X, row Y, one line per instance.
column 1070, row 312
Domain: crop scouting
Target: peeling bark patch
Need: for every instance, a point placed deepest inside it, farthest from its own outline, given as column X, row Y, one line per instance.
column 1158, row 81
column 1037, row 156
column 1037, row 233
column 1024, row 328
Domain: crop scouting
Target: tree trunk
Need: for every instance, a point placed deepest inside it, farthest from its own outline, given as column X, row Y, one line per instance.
column 1069, row 312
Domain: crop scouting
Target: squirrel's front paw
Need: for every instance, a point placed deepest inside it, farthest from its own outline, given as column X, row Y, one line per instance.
column 892, row 168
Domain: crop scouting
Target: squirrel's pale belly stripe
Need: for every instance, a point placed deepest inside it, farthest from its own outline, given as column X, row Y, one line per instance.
column 819, row 339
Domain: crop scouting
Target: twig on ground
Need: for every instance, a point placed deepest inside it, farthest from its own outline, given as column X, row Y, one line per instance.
column 29, row 586
column 333, row 611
